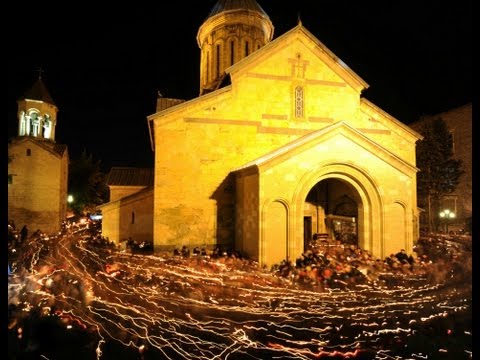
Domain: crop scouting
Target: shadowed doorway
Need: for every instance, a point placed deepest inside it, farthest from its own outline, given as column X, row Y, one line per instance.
column 331, row 212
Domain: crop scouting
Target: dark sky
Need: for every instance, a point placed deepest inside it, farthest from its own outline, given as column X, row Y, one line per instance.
column 103, row 66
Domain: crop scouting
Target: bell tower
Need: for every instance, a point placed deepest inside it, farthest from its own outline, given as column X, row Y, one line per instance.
column 37, row 112
column 37, row 164
column 233, row 30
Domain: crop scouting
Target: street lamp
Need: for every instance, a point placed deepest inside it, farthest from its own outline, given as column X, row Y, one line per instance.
column 447, row 215
column 70, row 199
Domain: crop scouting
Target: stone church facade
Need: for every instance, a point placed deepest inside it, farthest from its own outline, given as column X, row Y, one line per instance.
column 279, row 146
column 37, row 165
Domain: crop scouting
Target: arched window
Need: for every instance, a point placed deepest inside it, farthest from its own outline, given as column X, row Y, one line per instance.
column 298, row 102
column 232, row 52
column 29, row 152
column 34, row 123
column 47, row 127
column 133, row 217
column 23, row 124
column 247, row 50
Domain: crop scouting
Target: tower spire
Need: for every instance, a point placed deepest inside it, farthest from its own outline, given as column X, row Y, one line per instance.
column 37, row 113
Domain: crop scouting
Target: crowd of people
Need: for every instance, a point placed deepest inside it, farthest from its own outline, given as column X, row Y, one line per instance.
column 330, row 263
column 325, row 263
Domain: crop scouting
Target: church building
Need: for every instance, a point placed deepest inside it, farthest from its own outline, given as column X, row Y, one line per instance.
column 279, row 147
column 37, row 165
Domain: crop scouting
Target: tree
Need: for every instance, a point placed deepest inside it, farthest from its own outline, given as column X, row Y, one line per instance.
column 86, row 183
column 439, row 173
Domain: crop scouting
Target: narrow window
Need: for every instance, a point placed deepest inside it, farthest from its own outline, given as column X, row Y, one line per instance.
column 218, row 61
column 452, row 137
column 29, row 152
column 133, row 217
column 10, row 179
column 299, row 102
column 232, row 52
column 246, row 48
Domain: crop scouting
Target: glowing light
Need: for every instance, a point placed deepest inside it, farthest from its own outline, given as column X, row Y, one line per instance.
column 205, row 308
column 447, row 214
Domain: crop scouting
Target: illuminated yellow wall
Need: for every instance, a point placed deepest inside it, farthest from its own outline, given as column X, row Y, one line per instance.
column 118, row 192
column 130, row 216
column 38, row 193
column 340, row 153
column 111, row 222
column 200, row 143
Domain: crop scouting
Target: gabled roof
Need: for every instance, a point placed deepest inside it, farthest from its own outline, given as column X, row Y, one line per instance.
column 139, row 195
column 225, row 83
column 38, row 92
column 340, row 126
column 365, row 103
column 52, row 147
column 129, row 176
column 341, row 68
column 58, row 148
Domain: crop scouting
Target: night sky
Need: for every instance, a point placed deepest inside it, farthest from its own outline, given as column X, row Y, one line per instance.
column 104, row 66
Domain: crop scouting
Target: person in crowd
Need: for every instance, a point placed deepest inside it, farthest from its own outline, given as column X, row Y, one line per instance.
column 185, row 251
column 403, row 257
column 24, row 233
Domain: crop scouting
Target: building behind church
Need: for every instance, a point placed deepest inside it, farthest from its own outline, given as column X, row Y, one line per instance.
column 37, row 164
column 459, row 123
column 279, row 147
column 129, row 212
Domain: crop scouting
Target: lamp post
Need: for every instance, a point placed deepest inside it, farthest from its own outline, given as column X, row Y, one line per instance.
column 447, row 215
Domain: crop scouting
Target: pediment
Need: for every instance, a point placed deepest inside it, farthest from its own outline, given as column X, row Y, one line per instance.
column 58, row 150
column 298, row 54
column 311, row 140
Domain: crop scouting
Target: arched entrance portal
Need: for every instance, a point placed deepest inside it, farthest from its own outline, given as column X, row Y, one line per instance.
column 331, row 211
column 342, row 202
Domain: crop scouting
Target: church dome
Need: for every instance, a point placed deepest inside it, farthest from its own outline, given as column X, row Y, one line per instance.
column 233, row 30
column 229, row 5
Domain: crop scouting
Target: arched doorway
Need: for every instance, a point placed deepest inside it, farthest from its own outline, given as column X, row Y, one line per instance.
column 331, row 212
column 350, row 187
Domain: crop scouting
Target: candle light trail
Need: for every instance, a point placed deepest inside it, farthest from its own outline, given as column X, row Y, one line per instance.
column 173, row 307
